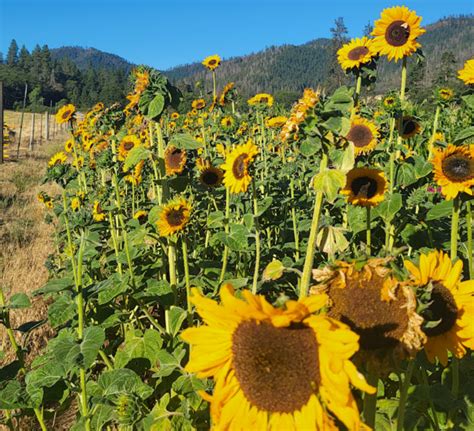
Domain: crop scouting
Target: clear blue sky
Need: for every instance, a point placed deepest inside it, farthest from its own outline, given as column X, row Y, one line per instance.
column 166, row 33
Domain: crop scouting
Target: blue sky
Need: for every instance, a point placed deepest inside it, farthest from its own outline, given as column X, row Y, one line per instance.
column 172, row 32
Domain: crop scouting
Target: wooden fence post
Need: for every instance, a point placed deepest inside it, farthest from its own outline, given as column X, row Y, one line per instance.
column 47, row 126
column 1, row 121
column 21, row 122
column 32, row 137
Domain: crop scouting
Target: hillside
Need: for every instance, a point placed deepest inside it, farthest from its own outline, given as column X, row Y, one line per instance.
column 290, row 68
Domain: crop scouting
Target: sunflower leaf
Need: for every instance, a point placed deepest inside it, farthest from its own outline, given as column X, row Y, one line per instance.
column 185, row 141
column 329, row 182
column 136, row 155
column 273, row 271
column 464, row 135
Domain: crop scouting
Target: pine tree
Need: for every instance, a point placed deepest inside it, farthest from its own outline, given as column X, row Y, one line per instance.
column 24, row 58
column 12, row 56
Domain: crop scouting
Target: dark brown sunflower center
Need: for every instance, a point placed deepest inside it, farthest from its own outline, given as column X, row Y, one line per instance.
column 265, row 358
column 443, row 309
column 264, row 100
column 175, row 158
column 397, row 33
column 458, row 168
column 66, row 114
column 389, row 101
column 175, row 217
column 360, row 135
column 210, row 178
column 212, row 62
column 380, row 324
column 409, row 127
column 365, row 187
column 358, row 53
column 239, row 166
column 127, row 146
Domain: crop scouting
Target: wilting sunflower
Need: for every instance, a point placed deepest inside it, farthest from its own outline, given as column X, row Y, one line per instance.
column 175, row 160
column 210, row 175
column 376, row 306
column 212, row 62
column 454, row 169
column 236, row 176
column 365, row 187
column 355, row 53
column 57, row 159
column 198, row 104
column 65, row 114
column 466, row 74
column 276, row 122
column 68, row 146
column 97, row 213
column 396, row 32
column 449, row 305
column 410, row 127
column 274, row 369
column 127, row 144
column 261, row 99
column 445, row 94
column 363, row 134
column 173, row 216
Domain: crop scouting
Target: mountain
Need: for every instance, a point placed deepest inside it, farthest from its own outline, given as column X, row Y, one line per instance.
column 288, row 69
column 85, row 57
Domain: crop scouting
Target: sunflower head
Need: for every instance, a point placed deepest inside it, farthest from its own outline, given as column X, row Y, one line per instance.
column 365, row 187
column 127, row 144
column 175, row 160
column 174, row 116
column 250, row 350
column 363, row 134
column 173, row 216
column 57, row 159
column 391, row 103
column 75, row 203
column 396, row 32
column 65, row 114
column 355, row 53
column 410, row 127
column 210, row 176
column 446, row 305
column 236, row 175
column 445, row 94
column 454, row 169
column 140, row 215
column 97, row 212
column 212, row 62
column 69, row 145
column 261, row 99
column 198, row 104
column 227, row 122
column 276, row 122
column 466, row 74
column 226, row 93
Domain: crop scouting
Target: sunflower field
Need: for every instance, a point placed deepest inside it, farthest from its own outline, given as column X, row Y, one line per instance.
column 240, row 267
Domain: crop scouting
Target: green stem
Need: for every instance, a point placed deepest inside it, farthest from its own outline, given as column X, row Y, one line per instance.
column 357, row 93
column 186, row 278
column 214, row 89
column 226, row 230
column 106, row 360
column 435, row 128
column 368, row 232
column 257, row 240
column 403, row 84
column 309, row 258
column 470, row 257
column 424, row 376
column 405, row 385
column 293, row 218
column 172, row 266
column 370, row 401
column 455, row 228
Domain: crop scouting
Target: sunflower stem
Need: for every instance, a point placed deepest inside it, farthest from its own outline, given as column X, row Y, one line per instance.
column 424, row 377
column 309, row 258
column 257, row 239
column 184, row 245
column 214, row 90
column 226, row 230
column 370, row 401
column 368, row 232
column 172, row 266
column 293, row 218
column 405, row 385
column 357, row 93
column 469, row 240
column 454, row 384
column 435, row 128
column 455, row 228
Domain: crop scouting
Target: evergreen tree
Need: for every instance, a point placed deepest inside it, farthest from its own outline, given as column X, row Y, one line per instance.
column 12, row 56
column 339, row 33
column 368, row 29
column 24, row 58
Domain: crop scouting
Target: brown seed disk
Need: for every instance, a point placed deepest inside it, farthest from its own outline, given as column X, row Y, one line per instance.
column 360, row 135
column 277, row 368
column 397, row 33
column 357, row 53
column 175, row 217
column 442, row 308
column 364, row 187
column 239, row 166
column 175, row 158
column 458, row 168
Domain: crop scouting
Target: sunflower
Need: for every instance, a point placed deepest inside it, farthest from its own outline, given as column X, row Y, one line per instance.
column 363, row 134
column 75, row 203
column 57, row 159
column 49, row 204
column 173, row 216
column 69, row 145
column 78, row 162
column 449, row 305
column 445, row 94
column 466, row 74
column 174, row 116
column 212, row 62
column 140, row 215
column 276, row 122
column 454, row 169
column 355, row 53
column 365, row 187
column 261, row 99
column 223, row 97
column 395, row 33
column 410, row 127
column 97, row 213
column 376, row 306
column 175, row 160
column 250, row 349
column 236, row 176
column 389, row 102
column 227, row 122
column 65, row 114
column 127, row 144
column 210, row 175
column 198, row 104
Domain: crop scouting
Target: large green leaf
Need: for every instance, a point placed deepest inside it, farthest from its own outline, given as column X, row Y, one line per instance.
column 138, row 345
column 120, row 381
column 156, row 106
column 329, row 182
column 19, row 300
column 440, row 210
column 136, row 155
column 185, row 141
column 62, row 310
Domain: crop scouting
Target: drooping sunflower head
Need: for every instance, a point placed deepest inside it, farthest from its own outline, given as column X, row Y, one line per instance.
column 65, row 114
column 210, row 175
column 236, row 175
column 212, row 62
column 198, row 104
column 365, row 187
column 97, row 212
column 261, row 99
column 127, row 144
column 466, row 74
column 175, row 160
column 376, row 306
column 173, row 216
column 396, row 32
column 355, row 53
column 446, row 305
column 363, row 134
column 57, row 159
column 410, row 127
column 250, row 350
column 454, row 169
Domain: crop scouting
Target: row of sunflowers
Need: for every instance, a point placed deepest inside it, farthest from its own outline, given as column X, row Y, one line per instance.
column 246, row 268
